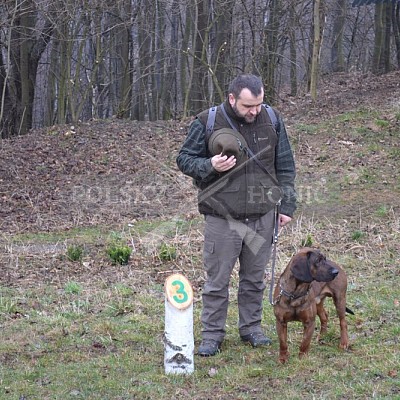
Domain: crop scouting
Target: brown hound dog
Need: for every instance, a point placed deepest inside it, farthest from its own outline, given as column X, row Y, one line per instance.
column 299, row 296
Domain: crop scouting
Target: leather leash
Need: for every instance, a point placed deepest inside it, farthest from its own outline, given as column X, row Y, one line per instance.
column 274, row 241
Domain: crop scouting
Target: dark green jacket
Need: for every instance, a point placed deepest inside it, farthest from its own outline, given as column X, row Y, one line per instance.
column 246, row 191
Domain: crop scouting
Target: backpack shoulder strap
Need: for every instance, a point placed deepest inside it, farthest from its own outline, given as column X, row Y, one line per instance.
column 210, row 122
column 272, row 116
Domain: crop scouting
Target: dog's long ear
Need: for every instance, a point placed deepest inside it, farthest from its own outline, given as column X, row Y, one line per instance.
column 301, row 268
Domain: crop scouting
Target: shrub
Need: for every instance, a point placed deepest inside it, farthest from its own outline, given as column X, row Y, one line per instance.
column 119, row 254
column 74, row 253
column 167, row 253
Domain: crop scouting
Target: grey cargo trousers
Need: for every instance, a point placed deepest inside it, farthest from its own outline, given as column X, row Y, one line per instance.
column 225, row 242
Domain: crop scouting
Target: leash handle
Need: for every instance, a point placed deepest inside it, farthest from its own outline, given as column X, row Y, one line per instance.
column 276, row 225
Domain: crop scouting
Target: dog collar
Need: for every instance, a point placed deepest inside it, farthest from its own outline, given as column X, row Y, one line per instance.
column 291, row 296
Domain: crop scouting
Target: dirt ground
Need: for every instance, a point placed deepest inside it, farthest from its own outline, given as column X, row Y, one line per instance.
column 117, row 172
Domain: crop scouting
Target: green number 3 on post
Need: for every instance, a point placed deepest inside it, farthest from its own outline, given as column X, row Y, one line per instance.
column 181, row 295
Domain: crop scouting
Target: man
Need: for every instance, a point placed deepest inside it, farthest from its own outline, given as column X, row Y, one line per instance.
column 239, row 204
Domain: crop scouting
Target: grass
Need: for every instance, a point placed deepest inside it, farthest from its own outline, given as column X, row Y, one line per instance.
column 87, row 234
column 94, row 330
column 72, row 287
column 97, row 340
column 74, row 253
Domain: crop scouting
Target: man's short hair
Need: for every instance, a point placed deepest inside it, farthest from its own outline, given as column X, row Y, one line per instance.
column 246, row 81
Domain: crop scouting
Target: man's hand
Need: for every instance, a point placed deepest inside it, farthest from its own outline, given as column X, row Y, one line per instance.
column 223, row 163
column 284, row 219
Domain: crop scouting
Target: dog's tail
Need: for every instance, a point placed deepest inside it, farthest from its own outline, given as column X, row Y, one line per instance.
column 349, row 311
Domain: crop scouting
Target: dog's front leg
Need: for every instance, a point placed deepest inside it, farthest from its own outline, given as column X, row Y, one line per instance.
column 309, row 326
column 340, row 304
column 344, row 337
column 281, row 329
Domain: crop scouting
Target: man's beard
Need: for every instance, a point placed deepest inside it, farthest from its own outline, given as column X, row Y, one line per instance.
column 248, row 119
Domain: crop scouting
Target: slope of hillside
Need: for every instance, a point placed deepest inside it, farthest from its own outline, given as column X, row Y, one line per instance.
column 117, row 171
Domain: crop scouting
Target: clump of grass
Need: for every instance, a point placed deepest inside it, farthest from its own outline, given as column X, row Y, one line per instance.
column 119, row 254
column 381, row 123
column 72, row 287
column 74, row 253
column 308, row 241
column 117, row 250
column 116, row 237
column 357, row 235
column 394, row 153
column 123, row 290
column 382, row 211
column 308, row 129
column 7, row 306
column 167, row 252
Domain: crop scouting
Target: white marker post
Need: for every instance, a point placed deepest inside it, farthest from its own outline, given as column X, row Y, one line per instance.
column 178, row 333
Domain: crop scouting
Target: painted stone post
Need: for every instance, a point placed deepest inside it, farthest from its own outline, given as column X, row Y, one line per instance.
column 178, row 333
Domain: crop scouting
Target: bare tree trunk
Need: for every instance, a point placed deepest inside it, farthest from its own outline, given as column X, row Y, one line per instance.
column 29, row 46
column 185, row 62
column 49, row 115
column 121, row 50
column 7, row 124
column 379, row 37
column 352, row 40
column 315, row 62
column 151, row 90
column 61, row 47
column 383, row 23
column 25, row 49
column 270, row 57
column 221, row 70
column 199, row 88
column 337, row 55
column 3, row 92
column 387, row 17
column 293, row 49
column 396, row 29
column 143, row 107
column 169, row 91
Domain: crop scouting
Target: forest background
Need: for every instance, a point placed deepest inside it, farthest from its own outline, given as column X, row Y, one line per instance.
column 69, row 61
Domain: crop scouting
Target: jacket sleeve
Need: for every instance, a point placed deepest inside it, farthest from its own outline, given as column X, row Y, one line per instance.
column 193, row 158
column 285, row 171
